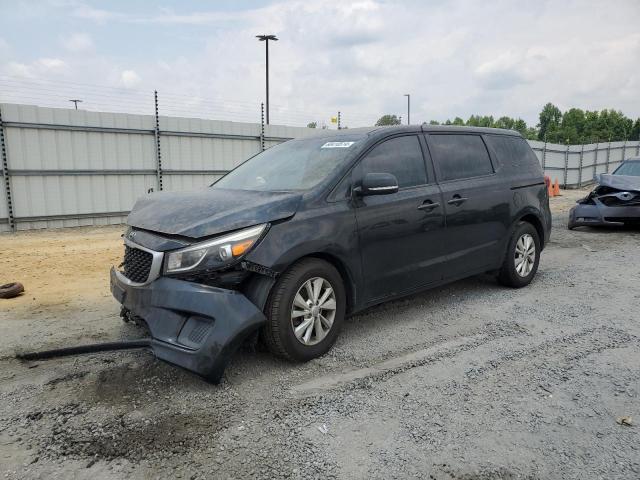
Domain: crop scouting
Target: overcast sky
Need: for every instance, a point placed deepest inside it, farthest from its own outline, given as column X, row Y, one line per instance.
column 455, row 58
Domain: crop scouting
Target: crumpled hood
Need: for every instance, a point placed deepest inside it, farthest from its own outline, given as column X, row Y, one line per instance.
column 619, row 182
column 210, row 211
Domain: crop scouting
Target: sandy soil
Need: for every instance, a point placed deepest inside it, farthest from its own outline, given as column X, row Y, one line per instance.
column 64, row 271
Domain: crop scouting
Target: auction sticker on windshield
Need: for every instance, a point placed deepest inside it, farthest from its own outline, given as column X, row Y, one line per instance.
column 337, row 144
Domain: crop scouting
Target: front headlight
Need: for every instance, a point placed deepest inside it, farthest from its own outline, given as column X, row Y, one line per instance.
column 215, row 253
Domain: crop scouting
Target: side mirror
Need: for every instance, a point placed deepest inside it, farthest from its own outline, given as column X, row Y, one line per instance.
column 378, row 184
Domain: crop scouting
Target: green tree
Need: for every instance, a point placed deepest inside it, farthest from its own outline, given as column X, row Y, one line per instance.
column 520, row 125
column 635, row 131
column 590, row 132
column 550, row 118
column 312, row 125
column 572, row 126
column 388, row 120
column 505, row 122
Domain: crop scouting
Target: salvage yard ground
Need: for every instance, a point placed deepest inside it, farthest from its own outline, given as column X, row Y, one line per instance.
column 467, row 381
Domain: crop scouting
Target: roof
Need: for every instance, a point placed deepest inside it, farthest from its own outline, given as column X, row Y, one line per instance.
column 413, row 128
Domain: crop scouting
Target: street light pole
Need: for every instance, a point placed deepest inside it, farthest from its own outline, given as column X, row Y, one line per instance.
column 75, row 102
column 265, row 39
column 408, row 108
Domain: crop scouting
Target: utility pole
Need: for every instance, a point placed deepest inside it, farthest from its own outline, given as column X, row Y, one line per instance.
column 265, row 39
column 76, row 102
column 408, row 108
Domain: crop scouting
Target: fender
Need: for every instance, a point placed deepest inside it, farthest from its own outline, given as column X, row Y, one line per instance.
column 522, row 214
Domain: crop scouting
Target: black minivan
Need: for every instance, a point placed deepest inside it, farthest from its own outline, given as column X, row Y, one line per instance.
column 312, row 230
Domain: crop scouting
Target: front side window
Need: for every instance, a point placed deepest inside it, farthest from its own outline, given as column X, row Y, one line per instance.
column 400, row 156
column 460, row 156
column 293, row 165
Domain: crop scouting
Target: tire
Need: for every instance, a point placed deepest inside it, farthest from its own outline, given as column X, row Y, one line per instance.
column 509, row 274
column 10, row 290
column 279, row 333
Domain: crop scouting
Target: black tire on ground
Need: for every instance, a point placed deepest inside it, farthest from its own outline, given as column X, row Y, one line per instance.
column 278, row 332
column 508, row 275
column 10, row 290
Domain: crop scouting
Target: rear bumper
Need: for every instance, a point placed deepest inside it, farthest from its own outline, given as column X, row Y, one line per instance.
column 194, row 326
column 599, row 215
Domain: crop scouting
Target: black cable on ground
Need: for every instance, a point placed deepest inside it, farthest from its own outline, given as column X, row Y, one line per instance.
column 96, row 347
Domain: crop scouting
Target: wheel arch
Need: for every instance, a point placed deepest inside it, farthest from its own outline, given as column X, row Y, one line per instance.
column 347, row 280
column 259, row 287
column 535, row 220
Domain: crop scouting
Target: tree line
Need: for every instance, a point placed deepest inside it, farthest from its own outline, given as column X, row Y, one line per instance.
column 574, row 126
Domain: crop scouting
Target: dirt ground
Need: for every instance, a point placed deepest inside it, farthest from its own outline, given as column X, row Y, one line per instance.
column 468, row 381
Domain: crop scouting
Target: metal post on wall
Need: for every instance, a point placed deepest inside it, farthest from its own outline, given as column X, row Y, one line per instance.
column 157, row 136
column 544, row 154
column 566, row 166
column 624, row 150
column 262, row 127
column 580, row 167
column 7, row 179
column 608, row 155
column 339, row 126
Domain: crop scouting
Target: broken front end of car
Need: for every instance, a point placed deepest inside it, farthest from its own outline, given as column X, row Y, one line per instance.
column 615, row 201
column 192, row 299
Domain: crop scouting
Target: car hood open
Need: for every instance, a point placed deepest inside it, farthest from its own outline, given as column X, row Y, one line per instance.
column 210, row 211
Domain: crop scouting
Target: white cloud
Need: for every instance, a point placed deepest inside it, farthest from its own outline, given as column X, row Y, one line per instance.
column 17, row 69
column 87, row 12
column 50, row 64
column 130, row 79
column 456, row 58
column 39, row 68
column 78, row 42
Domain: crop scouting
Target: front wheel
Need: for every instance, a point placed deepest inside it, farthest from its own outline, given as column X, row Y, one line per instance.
column 305, row 311
column 523, row 255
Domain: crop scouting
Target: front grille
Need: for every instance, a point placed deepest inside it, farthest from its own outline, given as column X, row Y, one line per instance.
column 617, row 202
column 137, row 264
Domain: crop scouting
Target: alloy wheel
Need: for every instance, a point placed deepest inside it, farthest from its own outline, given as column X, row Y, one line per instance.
column 525, row 255
column 313, row 311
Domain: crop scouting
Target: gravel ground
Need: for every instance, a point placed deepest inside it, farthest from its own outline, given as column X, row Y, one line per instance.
column 468, row 381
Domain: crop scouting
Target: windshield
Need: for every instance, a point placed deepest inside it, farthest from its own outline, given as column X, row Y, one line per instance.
column 629, row 168
column 293, row 165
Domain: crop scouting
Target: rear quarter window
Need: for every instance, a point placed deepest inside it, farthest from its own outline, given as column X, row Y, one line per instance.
column 513, row 153
column 459, row 156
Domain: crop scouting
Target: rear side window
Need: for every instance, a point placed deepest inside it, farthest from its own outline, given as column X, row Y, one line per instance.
column 460, row 156
column 513, row 153
column 400, row 156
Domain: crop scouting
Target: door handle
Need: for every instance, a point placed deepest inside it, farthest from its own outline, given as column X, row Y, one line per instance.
column 457, row 200
column 428, row 205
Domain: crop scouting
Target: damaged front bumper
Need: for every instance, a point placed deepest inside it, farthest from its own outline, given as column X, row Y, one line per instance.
column 598, row 215
column 614, row 201
column 197, row 327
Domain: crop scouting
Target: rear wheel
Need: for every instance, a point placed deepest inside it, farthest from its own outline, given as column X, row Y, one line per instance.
column 305, row 311
column 522, row 258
